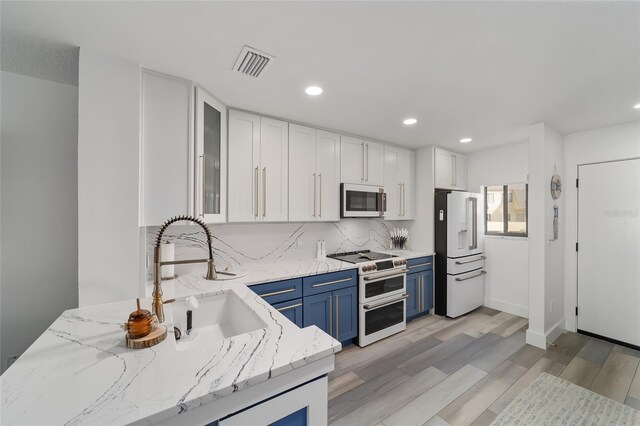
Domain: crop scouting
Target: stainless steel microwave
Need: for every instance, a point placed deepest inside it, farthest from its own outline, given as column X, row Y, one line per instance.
column 362, row 200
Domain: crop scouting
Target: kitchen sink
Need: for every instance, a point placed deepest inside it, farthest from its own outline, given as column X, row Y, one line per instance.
column 217, row 317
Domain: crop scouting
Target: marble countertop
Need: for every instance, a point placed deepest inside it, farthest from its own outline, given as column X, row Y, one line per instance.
column 80, row 372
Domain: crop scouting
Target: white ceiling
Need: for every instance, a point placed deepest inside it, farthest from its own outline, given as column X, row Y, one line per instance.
column 478, row 69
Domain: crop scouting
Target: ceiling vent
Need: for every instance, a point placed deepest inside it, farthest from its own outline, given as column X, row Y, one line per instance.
column 252, row 62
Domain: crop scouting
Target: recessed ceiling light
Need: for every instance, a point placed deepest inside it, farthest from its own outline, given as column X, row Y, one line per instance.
column 465, row 140
column 637, row 106
column 410, row 121
column 313, row 90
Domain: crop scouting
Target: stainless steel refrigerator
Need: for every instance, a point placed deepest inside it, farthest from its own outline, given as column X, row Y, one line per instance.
column 459, row 265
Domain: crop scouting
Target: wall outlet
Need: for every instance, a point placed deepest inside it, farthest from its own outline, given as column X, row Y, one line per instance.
column 550, row 305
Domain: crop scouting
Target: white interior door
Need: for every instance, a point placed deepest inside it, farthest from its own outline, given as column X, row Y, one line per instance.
column 609, row 250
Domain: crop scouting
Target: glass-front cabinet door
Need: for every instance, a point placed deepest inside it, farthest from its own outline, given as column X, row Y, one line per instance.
column 211, row 158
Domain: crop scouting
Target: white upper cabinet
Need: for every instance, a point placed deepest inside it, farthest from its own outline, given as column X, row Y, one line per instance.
column 244, row 159
column 450, row 170
column 314, row 174
column 399, row 173
column 167, row 132
column 352, row 160
column 374, row 170
column 361, row 161
column 211, row 155
column 274, row 163
column 328, row 169
column 258, row 175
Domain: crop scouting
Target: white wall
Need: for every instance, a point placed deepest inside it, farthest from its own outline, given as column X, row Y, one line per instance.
column 108, row 176
column 604, row 144
column 421, row 237
column 536, row 225
column 39, row 207
column 554, row 253
column 546, row 265
column 507, row 279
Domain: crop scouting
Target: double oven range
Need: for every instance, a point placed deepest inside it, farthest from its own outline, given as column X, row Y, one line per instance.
column 382, row 294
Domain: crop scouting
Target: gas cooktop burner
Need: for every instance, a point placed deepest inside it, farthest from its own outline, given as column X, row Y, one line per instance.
column 360, row 256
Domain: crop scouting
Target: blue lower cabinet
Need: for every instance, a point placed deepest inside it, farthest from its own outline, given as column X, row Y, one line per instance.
column 420, row 291
column 317, row 311
column 299, row 418
column 413, row 308
column 291, row 309
column 346, row 313
column 428, row 290
column 335, row 313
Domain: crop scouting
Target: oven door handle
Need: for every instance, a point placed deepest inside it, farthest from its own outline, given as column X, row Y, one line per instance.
column 380, row 305
column 395, row 274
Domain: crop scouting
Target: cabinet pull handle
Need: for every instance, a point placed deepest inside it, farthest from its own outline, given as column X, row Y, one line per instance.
column 264, row 192
column 473, row 276
column 202, row 195
column 419, row 265
column 404, row 200
column 256, row 190
column 330, row 315
column 337, row 318
column 331, row 282
column 314, row 195
column 275, row 293
column 399, row 199
column 286, row 308
column 367, row 162
column 320, row 192
column 422, row 291
column 419, row 294
column 363, row 162
column 471, row 261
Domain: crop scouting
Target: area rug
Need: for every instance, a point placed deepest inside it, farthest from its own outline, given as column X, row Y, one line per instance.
column 550, row 400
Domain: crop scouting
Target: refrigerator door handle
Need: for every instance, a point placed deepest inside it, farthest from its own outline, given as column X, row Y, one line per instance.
column 474, row 222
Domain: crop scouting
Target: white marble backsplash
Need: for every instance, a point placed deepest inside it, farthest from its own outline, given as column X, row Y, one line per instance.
column 235, row 245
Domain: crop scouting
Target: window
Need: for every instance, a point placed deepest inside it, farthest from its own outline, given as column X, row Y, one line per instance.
column 505, row 209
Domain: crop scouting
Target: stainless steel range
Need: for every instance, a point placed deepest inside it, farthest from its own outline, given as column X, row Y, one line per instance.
column 382, row 294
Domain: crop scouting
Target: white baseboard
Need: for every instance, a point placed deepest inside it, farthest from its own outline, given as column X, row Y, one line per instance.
column 510, row 308
column 555, row 331
column 537, row 339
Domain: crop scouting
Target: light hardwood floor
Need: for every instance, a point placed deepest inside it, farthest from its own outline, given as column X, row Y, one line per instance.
column 465, row 371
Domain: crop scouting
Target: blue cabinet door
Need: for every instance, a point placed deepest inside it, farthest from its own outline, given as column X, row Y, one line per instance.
column 292, row 310
column 318, row 311
column 412, row 290
column 428, row 289
column 345, row 305
column 299, row 418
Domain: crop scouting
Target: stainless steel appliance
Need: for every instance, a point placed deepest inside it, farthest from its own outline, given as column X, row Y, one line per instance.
column 361, row 200
column 382, row 294
column 459, row 271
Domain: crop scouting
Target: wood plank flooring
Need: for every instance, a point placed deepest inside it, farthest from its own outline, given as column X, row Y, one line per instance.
column 466, row 371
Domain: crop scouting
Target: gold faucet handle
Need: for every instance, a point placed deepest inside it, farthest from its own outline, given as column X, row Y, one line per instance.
column 168, row 301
